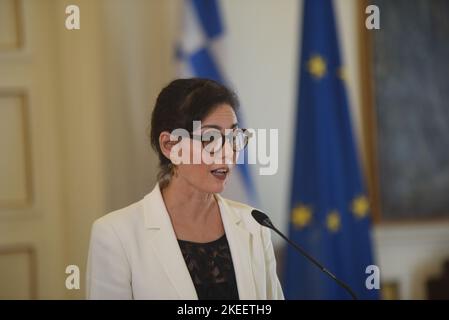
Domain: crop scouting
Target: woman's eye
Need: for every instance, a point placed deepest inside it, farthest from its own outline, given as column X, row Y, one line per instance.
column 211, row 136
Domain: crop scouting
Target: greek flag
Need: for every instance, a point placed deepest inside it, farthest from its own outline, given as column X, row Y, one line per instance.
column 200, row 52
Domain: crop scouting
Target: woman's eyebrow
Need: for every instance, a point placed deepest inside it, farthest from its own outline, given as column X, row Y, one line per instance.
column 235, row 125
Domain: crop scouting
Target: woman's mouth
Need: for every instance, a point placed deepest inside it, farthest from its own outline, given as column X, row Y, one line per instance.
column 220, row 173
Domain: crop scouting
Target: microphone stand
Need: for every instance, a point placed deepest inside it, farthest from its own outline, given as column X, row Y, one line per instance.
column 267, row 223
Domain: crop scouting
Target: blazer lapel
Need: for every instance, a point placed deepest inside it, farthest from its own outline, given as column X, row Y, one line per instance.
column 239, row 239
column 163, row 240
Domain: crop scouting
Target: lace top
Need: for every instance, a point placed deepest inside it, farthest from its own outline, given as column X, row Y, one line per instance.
column 210, row 266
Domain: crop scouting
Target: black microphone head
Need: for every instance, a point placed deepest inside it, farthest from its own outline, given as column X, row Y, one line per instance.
column 262, row 218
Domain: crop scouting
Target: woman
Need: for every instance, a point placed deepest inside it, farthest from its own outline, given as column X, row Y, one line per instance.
column 183, row 240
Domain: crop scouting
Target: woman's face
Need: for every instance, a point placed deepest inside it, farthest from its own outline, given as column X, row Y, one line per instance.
column 211, row 173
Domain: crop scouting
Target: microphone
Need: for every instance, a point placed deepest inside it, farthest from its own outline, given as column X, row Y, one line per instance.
column 265, row 221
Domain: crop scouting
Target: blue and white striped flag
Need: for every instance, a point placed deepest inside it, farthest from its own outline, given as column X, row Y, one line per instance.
column 201, row 52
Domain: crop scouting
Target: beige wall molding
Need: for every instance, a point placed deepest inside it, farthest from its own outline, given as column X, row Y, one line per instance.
column 18, row 263
column 17, row 190
column 11, row 25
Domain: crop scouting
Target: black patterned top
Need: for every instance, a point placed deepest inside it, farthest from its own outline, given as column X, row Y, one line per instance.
column 211, row 268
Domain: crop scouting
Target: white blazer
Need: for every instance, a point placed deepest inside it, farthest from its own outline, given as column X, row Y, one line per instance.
column 134, row 254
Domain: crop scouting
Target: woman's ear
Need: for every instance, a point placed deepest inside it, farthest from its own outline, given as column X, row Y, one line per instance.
column 165, row 143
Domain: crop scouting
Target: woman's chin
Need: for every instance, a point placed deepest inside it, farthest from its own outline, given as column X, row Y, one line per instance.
column 217, row 186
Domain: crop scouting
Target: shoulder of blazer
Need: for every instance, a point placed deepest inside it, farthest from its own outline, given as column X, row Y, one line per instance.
column 122, row 221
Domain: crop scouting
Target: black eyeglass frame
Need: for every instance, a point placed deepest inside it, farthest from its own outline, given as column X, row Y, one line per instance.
column 229, row 137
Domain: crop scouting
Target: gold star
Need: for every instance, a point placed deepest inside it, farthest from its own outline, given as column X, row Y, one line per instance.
column 301, row 216
column 333, row 221
column 360, row 206
column 317, row 66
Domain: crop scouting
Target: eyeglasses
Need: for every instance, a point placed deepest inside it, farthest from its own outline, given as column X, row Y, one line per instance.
column 214, row 140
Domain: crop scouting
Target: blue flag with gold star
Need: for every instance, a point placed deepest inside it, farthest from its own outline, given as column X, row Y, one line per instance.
column 329, row 208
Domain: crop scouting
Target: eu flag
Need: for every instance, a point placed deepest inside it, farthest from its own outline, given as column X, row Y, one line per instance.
column 329, row 208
